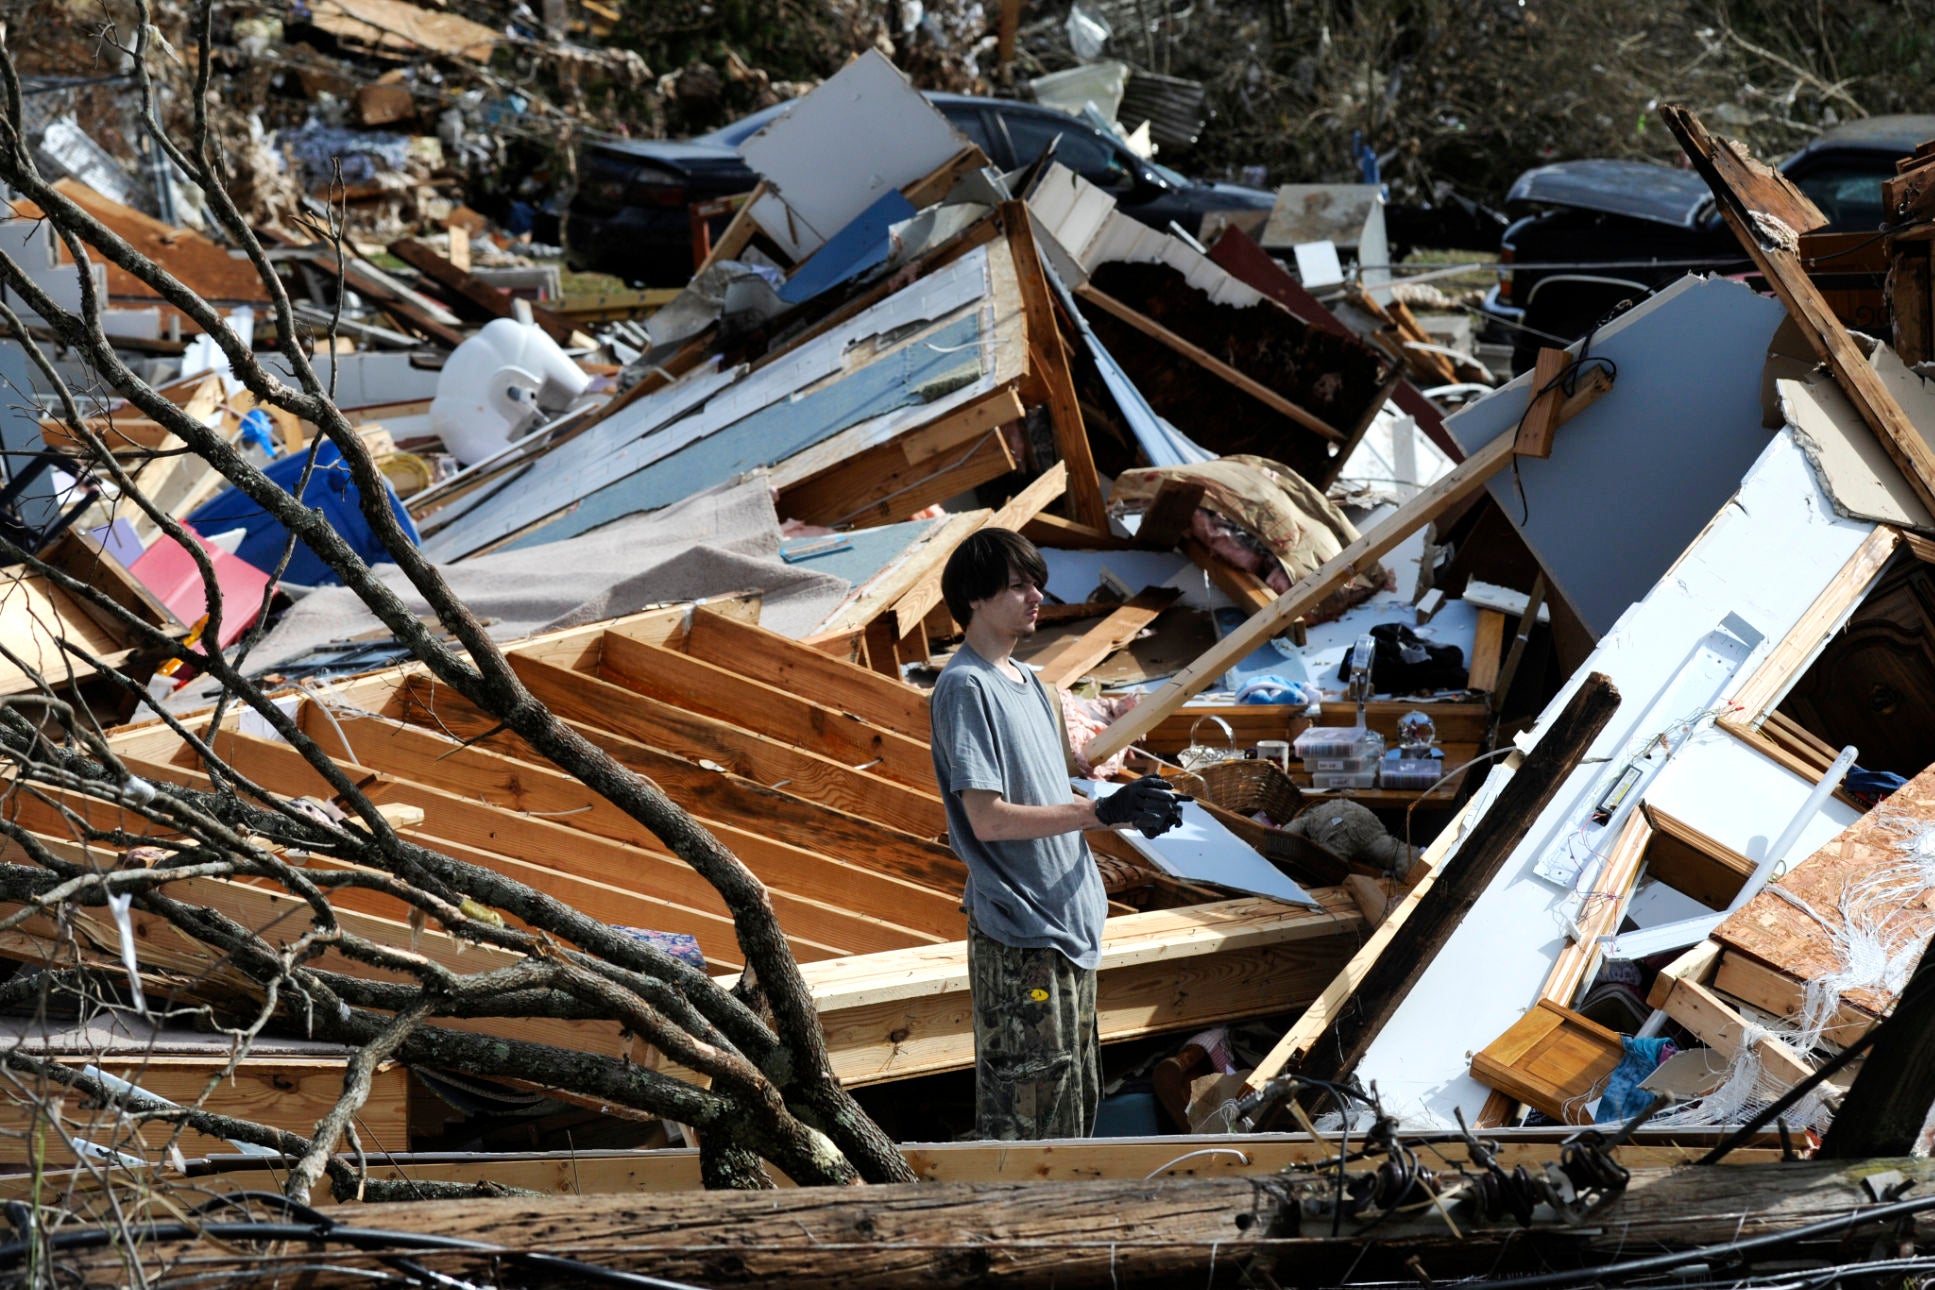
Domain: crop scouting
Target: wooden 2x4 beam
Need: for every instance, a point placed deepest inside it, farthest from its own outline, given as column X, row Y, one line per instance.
column 698, row 686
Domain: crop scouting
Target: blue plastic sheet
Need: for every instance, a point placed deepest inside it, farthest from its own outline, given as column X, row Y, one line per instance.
column 329, row 490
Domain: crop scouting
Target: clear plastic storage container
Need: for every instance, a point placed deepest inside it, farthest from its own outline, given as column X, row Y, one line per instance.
column 1339, row 743
column 1411, row 773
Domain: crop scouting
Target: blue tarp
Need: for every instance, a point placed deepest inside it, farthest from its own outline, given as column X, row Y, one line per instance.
column 329, row 490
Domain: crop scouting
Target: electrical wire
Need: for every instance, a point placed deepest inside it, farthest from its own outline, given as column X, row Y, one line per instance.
column 315, row 1227
column 1608, row 1272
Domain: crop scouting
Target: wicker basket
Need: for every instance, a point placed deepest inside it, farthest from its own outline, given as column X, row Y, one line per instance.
column 1232, row 791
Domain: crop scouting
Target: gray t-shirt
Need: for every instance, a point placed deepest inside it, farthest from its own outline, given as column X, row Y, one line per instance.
column 994, row 732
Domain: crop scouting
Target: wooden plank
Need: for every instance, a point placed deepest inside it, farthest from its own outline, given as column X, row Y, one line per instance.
column 1604, row 911
column 1692, row 863
column 888, row 483
column 937, row 183
column 492, row 300
column 646, row 729
column 922, row 911
column 1069, row 660
column 1712, row 1021
column 1753, row 983
column 197, row 261
column 895, row 1015
column 631, row 885
column 1169, row 514
column 1768, row 214
column 738, row 232
column 1463, row 480
column 919, row 599
column 800, row 669
column 1552, row 1059
column 407, row 753
column 1527, row 623
column 1052, row 531
column 1208, row 362
column 1487, row 652
column 1336, row 996
column 1049, row 364
column 1249, row 593
column 1760, row 692
column 1463, row 878
column 283, row 1092
column 699, row 686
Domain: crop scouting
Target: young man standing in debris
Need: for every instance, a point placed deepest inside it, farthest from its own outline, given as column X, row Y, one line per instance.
column 1034, row 899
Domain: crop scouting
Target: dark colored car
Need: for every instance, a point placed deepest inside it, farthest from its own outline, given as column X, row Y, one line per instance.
column 1606, row 231
column 630, row 214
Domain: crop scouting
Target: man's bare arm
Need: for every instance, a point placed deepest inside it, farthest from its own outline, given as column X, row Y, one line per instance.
column 995, row 819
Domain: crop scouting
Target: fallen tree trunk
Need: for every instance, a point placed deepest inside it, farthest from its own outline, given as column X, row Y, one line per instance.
column 1070, row 1234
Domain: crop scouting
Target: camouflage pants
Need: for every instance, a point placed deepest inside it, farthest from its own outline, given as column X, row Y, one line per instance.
column 1037, row 1053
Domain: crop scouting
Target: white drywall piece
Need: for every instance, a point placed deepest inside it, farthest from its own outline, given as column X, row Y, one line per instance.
column 1084, row 221
column 1855, row 469
column 862, row 131
column 1200, row 849
column 1766, row 556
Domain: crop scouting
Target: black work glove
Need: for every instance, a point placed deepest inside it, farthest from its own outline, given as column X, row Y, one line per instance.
column 1148, row 805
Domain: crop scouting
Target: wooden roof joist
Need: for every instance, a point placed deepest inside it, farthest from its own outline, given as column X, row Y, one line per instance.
column 494, row 772
column 729, row 642
column 699, row 686
column 621, row 720
column 603, row 877
column 174, row 966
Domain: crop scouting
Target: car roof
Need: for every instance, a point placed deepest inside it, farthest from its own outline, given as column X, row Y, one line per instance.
column 732, row 135
column 1897, row 134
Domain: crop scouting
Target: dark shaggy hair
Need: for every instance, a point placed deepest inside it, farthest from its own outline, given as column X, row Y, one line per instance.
column 981, row 566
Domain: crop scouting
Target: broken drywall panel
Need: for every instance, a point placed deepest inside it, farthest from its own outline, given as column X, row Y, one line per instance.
column 1764, row 558
column 1635, row 476
column 1083, row 220
column 1069, row 209
column 1344, row 215
column 1201, row 849
column 809, row 158
column 1859, row 478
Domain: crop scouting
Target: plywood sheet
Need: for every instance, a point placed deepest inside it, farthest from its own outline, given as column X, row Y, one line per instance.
column 201, row 264
column 1773, row 928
